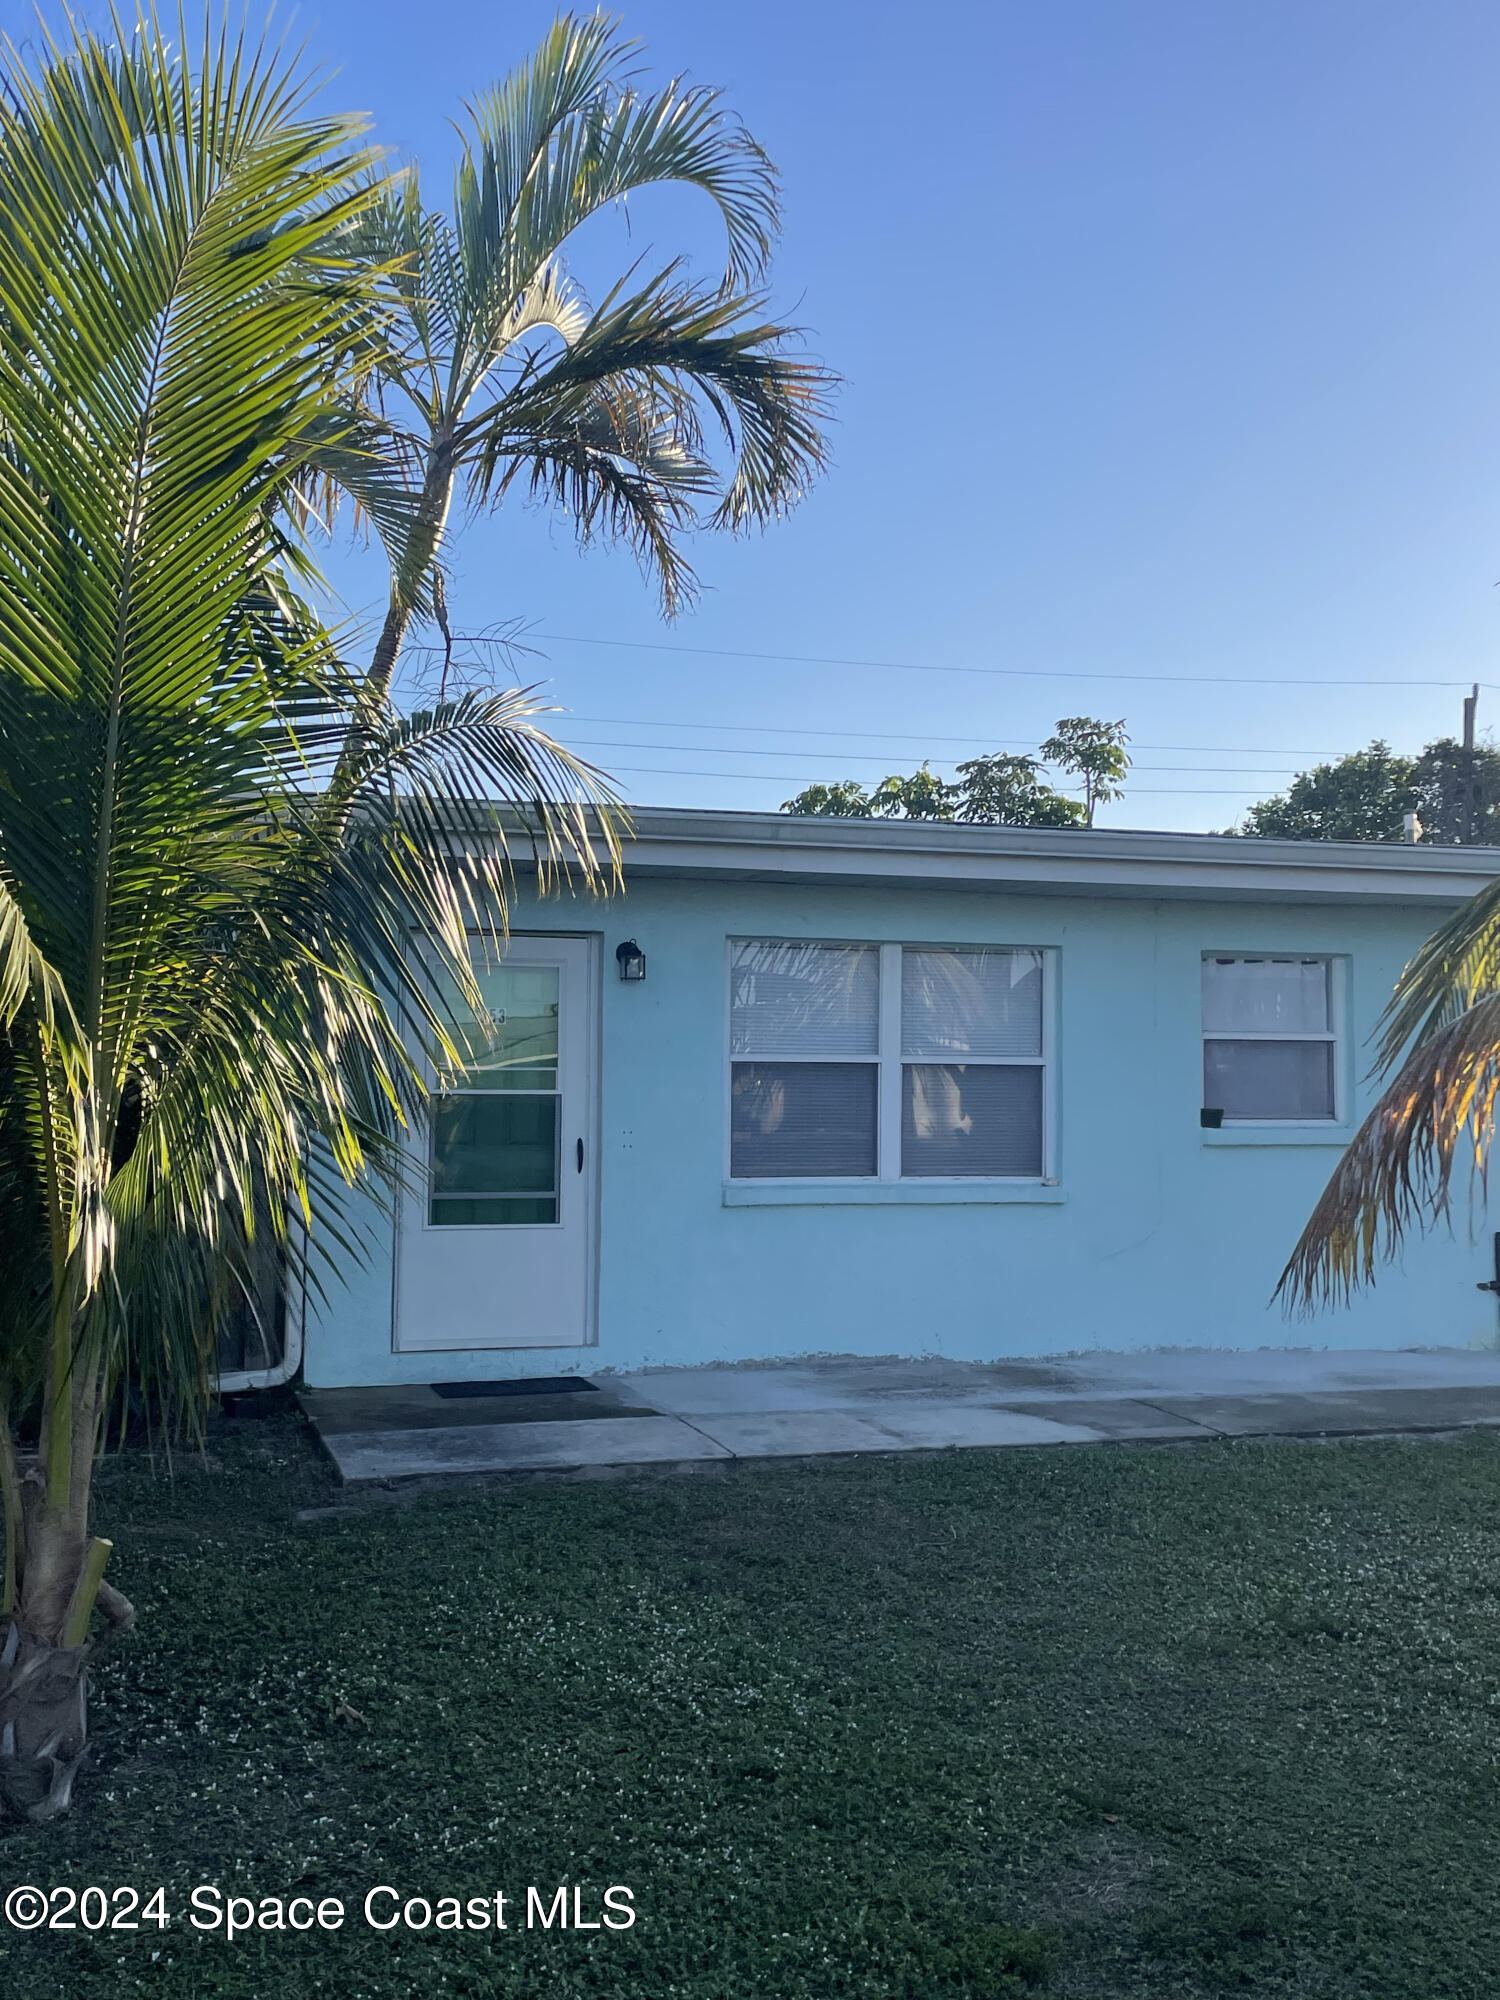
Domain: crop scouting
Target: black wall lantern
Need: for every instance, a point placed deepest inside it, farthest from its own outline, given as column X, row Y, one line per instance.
column 630, row 959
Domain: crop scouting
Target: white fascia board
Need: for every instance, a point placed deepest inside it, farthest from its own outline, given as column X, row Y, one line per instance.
column 774, row 846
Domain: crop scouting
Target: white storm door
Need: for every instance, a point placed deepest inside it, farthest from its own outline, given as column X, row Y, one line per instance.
column 496, row 1239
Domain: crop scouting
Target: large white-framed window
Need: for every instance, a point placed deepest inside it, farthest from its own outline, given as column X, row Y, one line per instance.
column 889, row 1062
column 1272, row 1037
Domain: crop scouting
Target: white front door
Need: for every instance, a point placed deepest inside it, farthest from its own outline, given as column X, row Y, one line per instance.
column 496, row 1240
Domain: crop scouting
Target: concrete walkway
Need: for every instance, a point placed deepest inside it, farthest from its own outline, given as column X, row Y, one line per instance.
column 690, row 1416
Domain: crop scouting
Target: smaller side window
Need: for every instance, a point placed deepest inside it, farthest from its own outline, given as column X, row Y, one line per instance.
column 1270, row 1038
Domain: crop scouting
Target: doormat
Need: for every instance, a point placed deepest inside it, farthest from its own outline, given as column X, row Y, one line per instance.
column 521, row 1385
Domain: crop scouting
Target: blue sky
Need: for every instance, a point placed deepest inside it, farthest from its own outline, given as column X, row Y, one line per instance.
column 1171, row 345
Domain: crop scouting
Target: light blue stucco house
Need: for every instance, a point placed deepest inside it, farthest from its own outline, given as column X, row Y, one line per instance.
column 904, row 1088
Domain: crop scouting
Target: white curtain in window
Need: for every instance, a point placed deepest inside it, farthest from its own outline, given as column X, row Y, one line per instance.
column 1265, row 996
column 819, row 1002
column 970, row 1003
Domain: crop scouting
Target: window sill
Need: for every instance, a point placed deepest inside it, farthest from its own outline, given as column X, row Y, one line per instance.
column 881, row 1194
column 1273, row 1132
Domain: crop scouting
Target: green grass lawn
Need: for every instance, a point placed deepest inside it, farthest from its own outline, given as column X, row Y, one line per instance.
column 1136, row 1723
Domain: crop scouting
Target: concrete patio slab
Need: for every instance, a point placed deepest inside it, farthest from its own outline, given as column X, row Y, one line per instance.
column 508, row 1447
column 1349, row 1413
column 795, row 1433
column 942, row 1425
column 1209, row 1371
column 839, row 1405
column 418, row 1407
column 1117, row 1417
column 703, row 1392
column 838, row 1381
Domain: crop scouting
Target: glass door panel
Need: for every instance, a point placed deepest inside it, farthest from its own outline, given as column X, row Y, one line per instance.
column 496, row 1121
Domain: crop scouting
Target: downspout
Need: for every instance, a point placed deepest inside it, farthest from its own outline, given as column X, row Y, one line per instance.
column 282, row 1371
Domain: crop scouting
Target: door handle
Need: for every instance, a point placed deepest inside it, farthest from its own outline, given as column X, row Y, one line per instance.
column 580, row 1156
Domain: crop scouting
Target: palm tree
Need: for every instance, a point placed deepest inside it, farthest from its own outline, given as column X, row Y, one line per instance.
column 217, row 841
column 503, row 375
column 1439, row 1043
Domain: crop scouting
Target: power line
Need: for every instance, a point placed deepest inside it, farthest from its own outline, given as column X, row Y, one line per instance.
column 779, row 777
column 925, row 737
column 905, row 736
column 830, row 757
column 988, row 673
column 891, row 736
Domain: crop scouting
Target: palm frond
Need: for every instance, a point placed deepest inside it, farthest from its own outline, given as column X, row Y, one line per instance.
column 568, row 133
column 1435, row 1118
column 615, row 427
column 1438, row 1039
column 363, row 459
column 1456, row 966
column 182, row 329
column 27, row 980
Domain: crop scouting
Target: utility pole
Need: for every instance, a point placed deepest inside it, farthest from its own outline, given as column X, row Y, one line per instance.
column 1471, row 776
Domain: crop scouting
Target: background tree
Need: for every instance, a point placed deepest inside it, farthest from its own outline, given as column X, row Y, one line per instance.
column 923, row 795
column 1008, row 791
column 1454, row 791
column 1359, row 797
column 845, row 799
column 217, row 840
column 999, row 789
column 1093, row 751
column 1457, row 793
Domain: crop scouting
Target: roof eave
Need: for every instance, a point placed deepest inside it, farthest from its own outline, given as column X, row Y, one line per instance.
column 682, row 842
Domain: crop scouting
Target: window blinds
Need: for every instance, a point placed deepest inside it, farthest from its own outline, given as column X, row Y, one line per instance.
column 810, row 1002
column 971, row 1003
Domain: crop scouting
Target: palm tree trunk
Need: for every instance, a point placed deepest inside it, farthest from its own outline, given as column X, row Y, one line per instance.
column 54, row 1582
column 406, row 581
column 53, row 1567
column 427, row 532
column 10, row 1516
column 43, row 1721
column 43, row 1643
